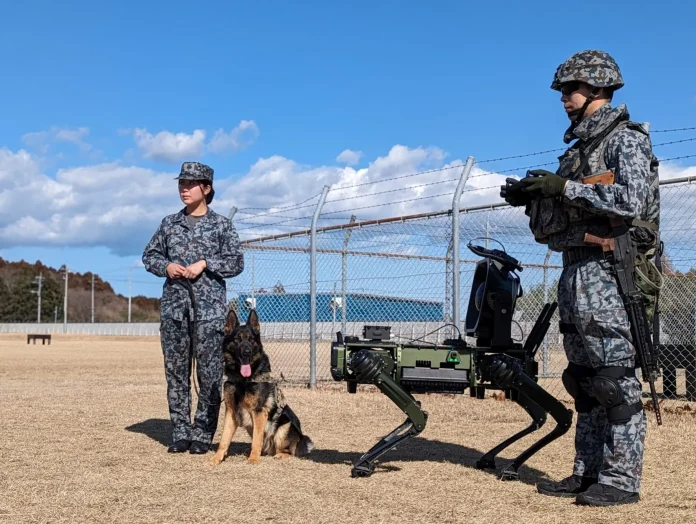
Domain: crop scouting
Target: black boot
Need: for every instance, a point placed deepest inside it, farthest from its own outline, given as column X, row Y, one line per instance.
column 603, row 495
column 568, row 487
column 199, row 448
column 179, row 446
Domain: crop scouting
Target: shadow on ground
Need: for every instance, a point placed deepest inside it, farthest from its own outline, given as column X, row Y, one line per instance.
column 417, row 449
column 420, row 449
column 158, row 429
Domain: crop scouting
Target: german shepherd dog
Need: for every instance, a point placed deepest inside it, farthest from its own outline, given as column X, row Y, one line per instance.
column 253, row 400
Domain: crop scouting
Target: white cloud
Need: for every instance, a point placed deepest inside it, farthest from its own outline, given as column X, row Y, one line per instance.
column 106, row 204
column 42, row 140
column 170, row 147
column 167, row 146
column 670, row 171
column 349, row 157
column 237, row 139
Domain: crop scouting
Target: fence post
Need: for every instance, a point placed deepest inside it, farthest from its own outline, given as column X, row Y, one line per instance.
column 65, row 299
column 456, row 320
column 344, row 276
column 313, row 292
column 448, row 290
column 545, row 350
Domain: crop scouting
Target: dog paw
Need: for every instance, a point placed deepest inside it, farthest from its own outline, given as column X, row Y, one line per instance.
column 215, row 460
column 281, row 455
column 254, row 460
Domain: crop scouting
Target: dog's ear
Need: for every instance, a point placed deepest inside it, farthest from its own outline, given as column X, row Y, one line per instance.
column 231, row 322
column 253, row 322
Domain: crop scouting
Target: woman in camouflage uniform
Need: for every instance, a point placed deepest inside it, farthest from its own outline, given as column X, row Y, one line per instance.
column 195, row 249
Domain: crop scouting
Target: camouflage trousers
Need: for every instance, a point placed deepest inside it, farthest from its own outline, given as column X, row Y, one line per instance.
column 176, row 348
column 588, row 297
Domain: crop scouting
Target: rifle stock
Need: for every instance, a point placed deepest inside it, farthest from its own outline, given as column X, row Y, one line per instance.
column 606, row 178
column 607, row 244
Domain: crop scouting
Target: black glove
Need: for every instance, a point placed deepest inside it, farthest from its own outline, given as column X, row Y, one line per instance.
column 513, row 193
column 540, row 182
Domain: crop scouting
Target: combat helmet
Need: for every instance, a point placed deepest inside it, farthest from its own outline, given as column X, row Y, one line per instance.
column 593, row 67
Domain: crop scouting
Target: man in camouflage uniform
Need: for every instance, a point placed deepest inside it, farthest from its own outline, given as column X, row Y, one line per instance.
column 563, row 206
column 195, row 249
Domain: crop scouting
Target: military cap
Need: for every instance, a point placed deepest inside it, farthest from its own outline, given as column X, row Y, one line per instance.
column 198, row 171
column 195, row 171
column 593, row 67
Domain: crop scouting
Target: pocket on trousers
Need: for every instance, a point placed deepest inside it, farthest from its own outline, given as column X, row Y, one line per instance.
column 607, row 335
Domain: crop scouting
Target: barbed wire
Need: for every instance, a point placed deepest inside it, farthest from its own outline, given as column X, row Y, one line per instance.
column 281, row 223
column 489, row 160
column 677, row 158
column 389, row 203
column 470, row 190
column 673, row 130
column 394, row 190
column 455, row 166
column 274, row 212
column 691, row 139
column 282, row 207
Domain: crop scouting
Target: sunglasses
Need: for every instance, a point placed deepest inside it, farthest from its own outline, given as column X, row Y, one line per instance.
column 570, row 88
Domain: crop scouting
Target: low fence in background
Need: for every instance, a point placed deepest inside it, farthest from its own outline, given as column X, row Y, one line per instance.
column 97, row 328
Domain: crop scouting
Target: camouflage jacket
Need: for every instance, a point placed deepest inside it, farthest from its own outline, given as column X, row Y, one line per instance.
column 627, row 152
column 213, row 239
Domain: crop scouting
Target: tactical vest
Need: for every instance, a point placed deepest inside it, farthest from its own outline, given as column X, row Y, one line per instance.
column 552, row 216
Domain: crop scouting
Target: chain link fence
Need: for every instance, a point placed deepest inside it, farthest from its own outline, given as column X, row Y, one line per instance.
column 400, row 272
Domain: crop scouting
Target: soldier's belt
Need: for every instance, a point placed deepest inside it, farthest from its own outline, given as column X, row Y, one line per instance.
column 576, row 254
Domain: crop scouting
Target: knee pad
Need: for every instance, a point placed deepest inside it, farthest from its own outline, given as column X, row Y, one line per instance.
column 610, row 395
column 607, row 391
column 571, row 381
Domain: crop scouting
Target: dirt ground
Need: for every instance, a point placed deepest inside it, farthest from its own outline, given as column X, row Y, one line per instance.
column 85, row 428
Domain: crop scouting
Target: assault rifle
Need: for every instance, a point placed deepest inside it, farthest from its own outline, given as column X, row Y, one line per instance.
column 623, row 252
column 400, row 370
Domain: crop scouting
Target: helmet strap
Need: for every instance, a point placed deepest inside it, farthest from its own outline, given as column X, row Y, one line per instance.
column 581, row 112
column 588, row 101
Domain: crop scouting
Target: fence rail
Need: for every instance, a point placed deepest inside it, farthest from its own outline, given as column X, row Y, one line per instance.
column 79, row 328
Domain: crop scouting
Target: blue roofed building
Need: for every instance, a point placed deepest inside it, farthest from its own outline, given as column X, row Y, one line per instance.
column 360, row 307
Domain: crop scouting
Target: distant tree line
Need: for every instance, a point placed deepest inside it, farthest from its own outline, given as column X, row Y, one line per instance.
column 19, row 297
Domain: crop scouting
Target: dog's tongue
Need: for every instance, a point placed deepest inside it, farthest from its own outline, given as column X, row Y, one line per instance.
column 246, row 370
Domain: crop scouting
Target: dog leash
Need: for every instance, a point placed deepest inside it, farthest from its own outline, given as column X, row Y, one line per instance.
column 192, row 331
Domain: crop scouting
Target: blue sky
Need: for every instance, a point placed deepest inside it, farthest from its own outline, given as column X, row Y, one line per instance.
column 272, row 94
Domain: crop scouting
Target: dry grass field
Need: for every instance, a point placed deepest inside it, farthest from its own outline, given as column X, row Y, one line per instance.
column 85, row 427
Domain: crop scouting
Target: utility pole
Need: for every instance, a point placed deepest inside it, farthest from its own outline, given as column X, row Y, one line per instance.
column 37, row 292
column 130, row 280
column 65, row 301
column 92, row 298
column 55, row 315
